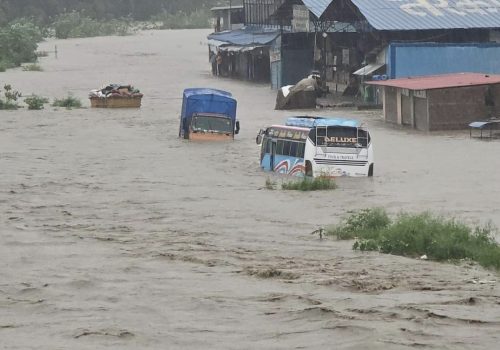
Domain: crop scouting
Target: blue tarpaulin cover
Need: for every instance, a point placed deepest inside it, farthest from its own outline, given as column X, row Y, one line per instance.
column 246, row 36
column 206, row 100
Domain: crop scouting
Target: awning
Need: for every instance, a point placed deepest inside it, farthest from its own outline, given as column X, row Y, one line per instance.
column 369, row 69
column 231, row 48
column 251, row 48
column 246, row 36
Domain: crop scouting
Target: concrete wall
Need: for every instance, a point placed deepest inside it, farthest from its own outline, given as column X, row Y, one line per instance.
column 455, row 108
column 406, row 106
column 421, row 120
column 390, row 105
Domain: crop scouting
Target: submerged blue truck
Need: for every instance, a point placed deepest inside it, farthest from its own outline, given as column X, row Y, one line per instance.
column 208, row 114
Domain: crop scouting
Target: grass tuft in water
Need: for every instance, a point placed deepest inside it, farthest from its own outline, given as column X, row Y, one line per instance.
column 420, row 234
column 270, row 184
column 35, row 102
column 67, row 102
column 32, row 68
column 310, row 184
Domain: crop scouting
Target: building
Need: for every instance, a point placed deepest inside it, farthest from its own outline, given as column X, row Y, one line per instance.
column 440, row 102
column 350, row 41
column 227, row 17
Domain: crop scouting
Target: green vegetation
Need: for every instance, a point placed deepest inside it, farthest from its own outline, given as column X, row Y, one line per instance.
column 76, row 25
column 68, row 102
column 18, row 43
column 141, row 10
column 310, row 184
column 365, row 223
column 32, row 68
column 182, row 20
column 418, row 234
column 35, row 102
column 11, row 96
column 270, row 184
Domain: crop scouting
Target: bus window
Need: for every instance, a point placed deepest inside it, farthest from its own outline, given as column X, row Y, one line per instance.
column 279, row 148
column 293, row 149
column 312, row 136
column 267, row 145
column 286, row 148
column 300, row 150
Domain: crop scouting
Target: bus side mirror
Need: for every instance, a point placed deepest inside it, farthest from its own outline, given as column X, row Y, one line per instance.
column 237, row 130
column 258, row 139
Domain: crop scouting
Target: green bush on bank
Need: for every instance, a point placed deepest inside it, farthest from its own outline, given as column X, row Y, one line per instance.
column 420, row 234
column 18, row 43
column 76, row 25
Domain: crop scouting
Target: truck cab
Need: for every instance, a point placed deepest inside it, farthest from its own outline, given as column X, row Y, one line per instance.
column 208, row 115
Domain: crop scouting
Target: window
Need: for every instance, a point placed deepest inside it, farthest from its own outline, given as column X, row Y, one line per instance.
column 293, row 149
column 286, row 148
column 279, row 148
column 300, row 150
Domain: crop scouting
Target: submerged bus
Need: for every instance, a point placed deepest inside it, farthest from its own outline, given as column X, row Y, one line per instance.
column 317, row 146
column 208, row 114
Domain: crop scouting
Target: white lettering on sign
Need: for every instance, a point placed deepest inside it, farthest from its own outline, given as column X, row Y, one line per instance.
column 439, row 8
column 335, row 139
column 339, row 157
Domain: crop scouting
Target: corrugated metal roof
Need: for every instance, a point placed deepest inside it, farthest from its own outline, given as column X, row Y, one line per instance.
column 246, row 36
column 427, row 14
column 440, row 81
column 234, row 7
column 317, row 7
column 369, row 69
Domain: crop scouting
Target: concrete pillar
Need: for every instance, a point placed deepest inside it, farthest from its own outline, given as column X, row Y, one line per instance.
column 399, row 108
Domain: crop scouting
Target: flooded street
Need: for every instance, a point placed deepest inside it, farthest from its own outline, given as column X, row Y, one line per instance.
column 116, row 234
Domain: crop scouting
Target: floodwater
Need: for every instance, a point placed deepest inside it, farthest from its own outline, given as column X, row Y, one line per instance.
column 115, row 234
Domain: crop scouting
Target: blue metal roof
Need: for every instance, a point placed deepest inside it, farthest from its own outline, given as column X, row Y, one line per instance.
column 246, row 36
column 317, row 7
column 426, row 14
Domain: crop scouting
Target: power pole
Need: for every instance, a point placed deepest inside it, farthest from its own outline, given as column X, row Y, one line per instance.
column 230, row 7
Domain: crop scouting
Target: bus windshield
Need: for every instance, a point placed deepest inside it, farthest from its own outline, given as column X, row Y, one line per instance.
column 339, row 136
column 203, row 123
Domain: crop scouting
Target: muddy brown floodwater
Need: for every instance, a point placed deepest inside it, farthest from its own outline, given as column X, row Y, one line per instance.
column 115, row 234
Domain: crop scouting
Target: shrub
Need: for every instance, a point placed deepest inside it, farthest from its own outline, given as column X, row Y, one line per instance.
column 308, row 184
column 35, row 101
column 18, row 42
column 366, row 223
column 11, row 97
column 67, row 102
column 32, row 68
column 270, row 184
column 414, row 235
column 76, row 25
